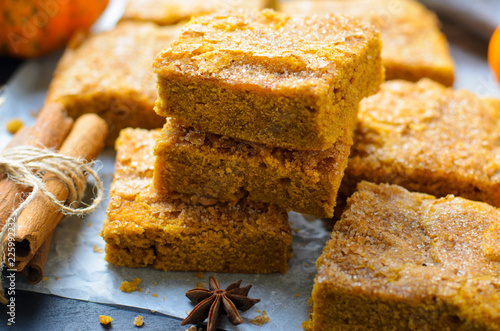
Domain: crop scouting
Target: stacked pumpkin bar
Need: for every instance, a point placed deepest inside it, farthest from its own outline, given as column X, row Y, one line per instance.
column 261, row 107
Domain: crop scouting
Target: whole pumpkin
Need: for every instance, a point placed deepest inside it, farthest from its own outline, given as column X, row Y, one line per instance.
column 30, row 28
column 494, row 53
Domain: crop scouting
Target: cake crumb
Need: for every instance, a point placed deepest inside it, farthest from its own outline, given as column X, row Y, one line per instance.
column 156, row 283
column 56, row 278
column 296, row 295
column 296, row 230
column 89, row 224
column 163, row 298
column 127, row 286
column 192, row 328
column 105, row 320
column 153, row 311
column 139, row 289
column 97, row 249
column 199, row 275
column 257, row 310
column 201, row 285
column 14, row 125
column 139, row 321
column 154, row 295
column 260, row 319
column 45, row 279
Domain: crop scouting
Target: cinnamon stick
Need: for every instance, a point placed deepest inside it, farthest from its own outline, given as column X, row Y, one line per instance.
column 40, row 217
column 35, row 267
column 50, row 129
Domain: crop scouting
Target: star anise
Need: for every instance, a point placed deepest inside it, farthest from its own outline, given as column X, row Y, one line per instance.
column 216, row 302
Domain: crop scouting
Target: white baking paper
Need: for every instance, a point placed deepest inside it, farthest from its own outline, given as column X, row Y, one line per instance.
column 75, row 270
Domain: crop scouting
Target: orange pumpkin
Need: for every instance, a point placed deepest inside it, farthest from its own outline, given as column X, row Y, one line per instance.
column 30, row 28
column 494, row 53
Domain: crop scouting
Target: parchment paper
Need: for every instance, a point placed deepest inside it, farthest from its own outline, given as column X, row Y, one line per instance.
column 75, row 270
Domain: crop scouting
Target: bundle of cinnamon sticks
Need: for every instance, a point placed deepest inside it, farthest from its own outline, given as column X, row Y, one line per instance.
column 53, row 129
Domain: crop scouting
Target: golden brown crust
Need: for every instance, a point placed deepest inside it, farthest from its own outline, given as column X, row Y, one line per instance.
column 429, row 139
column 269, row 78
column 110, row 74
column 166, row 12
column 181, row 232
column 190, row 161
column 401, row 260
column 414, row 47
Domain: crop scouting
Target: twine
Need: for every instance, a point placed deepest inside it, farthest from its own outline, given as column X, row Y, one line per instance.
column 26, row 166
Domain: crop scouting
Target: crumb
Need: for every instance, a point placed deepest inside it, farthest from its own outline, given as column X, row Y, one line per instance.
column 139, row 321
column 291, row 223
column 306, row 264
column 97, row 249
column 296, row 230
column 257, row 310
column 163, row 298
column 192, row 328
column 187, row 312
column 156, row 283
column 260, row 319
column 199, row 275
column 14, row 125
column 296, row 295
column 57, row 278
column 201, row 285
column 139, row 289
column 310, row 274
column 105, row 320
column 45, row 279
column 130, row 286
column 154, row 295
column 89, row 224
column 153, row 311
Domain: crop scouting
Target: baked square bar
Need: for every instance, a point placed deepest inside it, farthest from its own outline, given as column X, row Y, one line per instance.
column 176, row 232
column 226, row 169
column 110, row 74
column 166, row 12
column 414, row 46
column 269, row 78
column 430, row 139
column 408, row 261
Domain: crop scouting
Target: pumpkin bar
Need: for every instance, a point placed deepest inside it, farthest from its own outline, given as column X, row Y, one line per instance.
column 414, row 46
column 166, row 12
column 183, row 232
column 430, row 139
column 408, row 261
column 217, row 167
column 269, row 78
column 110, row 74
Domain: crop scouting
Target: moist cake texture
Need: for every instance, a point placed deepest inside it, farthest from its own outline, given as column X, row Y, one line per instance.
column 408, row 261
column 193, row 162
column 269, row 78
column 183, row 232
column 429, row 139
column 110, row 74
column 414, row 46
column 166, row 12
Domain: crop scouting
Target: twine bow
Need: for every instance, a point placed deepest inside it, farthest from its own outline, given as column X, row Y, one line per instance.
column 26, row 165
